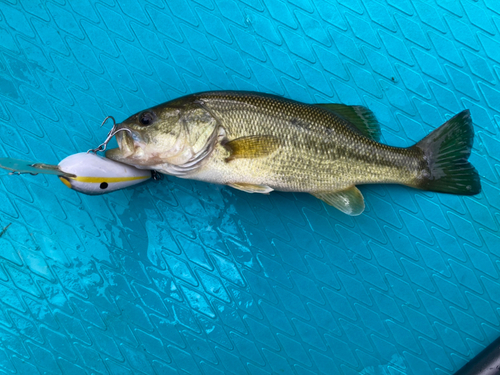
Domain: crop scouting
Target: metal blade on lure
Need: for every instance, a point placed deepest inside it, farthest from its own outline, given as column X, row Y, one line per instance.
column 19, row 166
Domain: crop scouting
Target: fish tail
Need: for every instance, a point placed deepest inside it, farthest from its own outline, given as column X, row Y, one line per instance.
column 446, row 151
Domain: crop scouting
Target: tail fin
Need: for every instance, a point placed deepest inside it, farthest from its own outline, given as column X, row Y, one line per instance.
column 446, row 151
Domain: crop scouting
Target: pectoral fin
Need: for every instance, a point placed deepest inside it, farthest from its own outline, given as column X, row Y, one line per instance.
column 251, row 147
column 249, row 188
column 350, row 201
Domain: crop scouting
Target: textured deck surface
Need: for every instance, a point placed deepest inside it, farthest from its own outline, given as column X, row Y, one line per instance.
column 180, row 277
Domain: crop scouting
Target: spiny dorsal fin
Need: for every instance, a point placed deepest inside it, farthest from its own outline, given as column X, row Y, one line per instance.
column 361, row 117
column 251, row 147
column 350, row 201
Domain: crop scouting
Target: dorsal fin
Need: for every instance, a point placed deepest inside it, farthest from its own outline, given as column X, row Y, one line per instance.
column 361, row 117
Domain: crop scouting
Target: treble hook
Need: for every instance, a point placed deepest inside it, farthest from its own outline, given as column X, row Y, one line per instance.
column 103, row 145
column 111, row 134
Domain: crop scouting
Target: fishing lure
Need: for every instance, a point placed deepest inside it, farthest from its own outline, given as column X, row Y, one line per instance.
column 86, row 172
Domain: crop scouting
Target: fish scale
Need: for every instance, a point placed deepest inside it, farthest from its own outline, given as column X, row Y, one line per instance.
column 260, row 142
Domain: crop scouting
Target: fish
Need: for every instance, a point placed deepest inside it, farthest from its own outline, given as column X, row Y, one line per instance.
column 259, row 143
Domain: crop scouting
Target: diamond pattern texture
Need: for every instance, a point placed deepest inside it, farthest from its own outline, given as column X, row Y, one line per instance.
column 182, row 277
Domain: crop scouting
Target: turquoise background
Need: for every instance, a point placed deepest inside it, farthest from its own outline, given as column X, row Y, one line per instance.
column 182, row 277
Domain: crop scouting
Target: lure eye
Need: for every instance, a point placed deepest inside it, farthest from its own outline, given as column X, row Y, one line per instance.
column 103, row 185
column 147, row 118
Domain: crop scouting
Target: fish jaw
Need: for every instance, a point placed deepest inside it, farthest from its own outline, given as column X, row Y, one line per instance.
column 130, row 149
column 117, row 155
column 127, row 142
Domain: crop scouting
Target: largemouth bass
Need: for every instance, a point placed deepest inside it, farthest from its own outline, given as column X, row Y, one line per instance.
column 259, row 143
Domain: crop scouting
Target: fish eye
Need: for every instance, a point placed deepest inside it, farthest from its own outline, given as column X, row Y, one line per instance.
column 147, row 118
column 103, row 185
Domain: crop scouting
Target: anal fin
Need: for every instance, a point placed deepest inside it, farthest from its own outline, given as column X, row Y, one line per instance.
column 251, row 188
column 350, row 201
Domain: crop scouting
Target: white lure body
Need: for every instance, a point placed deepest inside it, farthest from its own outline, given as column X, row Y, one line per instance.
column 97, row 175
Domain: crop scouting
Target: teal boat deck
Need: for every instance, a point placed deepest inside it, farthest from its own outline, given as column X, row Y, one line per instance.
column 182, row 277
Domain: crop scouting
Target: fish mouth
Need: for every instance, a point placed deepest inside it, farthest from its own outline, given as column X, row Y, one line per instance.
column 129, row 146
column 126, row 142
